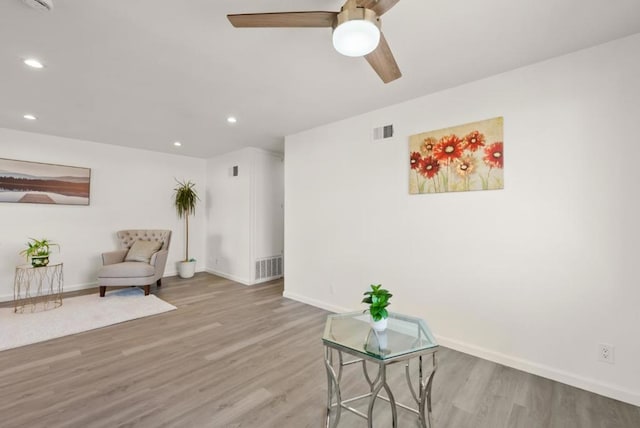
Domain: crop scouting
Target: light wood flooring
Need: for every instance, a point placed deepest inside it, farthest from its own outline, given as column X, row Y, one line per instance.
column 233, row 356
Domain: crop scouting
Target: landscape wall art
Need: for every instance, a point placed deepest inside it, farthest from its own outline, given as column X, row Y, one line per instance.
column 457, row 159
column 43, row 183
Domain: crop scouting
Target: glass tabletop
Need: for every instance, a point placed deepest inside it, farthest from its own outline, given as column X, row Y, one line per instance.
column 403, row 335
column 36, row 267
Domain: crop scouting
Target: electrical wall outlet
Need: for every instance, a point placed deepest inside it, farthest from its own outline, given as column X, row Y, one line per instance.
column 606, row 353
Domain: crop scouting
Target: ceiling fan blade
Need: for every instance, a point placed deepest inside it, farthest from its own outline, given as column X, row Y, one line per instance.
column 380, row 7
column 284, row 19
column 383, row 62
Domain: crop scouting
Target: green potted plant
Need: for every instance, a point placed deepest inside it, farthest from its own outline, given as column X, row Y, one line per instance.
column 378, row 299
column 185, row 200
column 38, row 250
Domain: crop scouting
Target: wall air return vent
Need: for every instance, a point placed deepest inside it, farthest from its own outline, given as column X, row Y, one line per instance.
column 268, row 268
column 382, row 133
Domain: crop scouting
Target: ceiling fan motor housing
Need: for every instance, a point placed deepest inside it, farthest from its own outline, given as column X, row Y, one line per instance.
column 358, row 13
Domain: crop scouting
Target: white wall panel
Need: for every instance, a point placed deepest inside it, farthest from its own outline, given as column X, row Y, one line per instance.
column 244, row 213
column 533, row 276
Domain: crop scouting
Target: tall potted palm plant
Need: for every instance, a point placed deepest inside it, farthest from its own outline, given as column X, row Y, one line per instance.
column 185, row 200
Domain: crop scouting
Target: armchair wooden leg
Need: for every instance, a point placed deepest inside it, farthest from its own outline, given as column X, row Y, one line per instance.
column 103, row 289
column 147, row 289
column 159, row 282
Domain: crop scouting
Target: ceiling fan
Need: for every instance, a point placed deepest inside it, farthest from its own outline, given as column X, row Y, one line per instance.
column 356, row 30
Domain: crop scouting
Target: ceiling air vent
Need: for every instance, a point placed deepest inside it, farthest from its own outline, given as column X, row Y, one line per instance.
column 45, row 5
column 382, row 133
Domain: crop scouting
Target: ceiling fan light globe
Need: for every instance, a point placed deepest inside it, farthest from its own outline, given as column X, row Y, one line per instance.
column 356, row 37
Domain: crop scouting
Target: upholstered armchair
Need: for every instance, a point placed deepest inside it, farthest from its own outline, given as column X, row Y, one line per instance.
column 139, row 262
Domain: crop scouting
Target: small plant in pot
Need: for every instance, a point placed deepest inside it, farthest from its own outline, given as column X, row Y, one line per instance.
column 185, row 200
column 38, row 250
column 378, row 299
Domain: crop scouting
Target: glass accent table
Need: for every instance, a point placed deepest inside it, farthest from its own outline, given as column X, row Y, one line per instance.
column 32, row 285
column 405, row 338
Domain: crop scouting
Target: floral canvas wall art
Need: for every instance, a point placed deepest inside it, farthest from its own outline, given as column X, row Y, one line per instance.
column 457, row 159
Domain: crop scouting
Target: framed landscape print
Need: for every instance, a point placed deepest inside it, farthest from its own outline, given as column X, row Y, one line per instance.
column 43, row 183
column 457, row 159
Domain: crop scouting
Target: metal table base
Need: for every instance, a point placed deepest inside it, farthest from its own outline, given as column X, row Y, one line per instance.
column 422, row 398
column 34, row 285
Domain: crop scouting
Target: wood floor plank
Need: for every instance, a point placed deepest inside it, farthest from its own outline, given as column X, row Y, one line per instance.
column 520, row 417
column 233, row 356
column 498, row 398
column 471, row 396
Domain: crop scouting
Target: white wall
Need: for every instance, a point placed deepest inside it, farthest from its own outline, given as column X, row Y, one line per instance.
column 244, row 213
column 130, row 189
column 268, row 209
column 533, row 276
column 228, row 216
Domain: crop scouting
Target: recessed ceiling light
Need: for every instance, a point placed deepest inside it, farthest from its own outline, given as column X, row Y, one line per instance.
column 232, row 119
column 34, row 63
column 177, row 144
column 29, row 117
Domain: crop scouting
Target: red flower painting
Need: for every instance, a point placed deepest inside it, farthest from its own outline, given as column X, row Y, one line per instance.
column 448, row 149
column 415, row 160
column 426, row 148
column 473, row 141
column 465, row 166
column 429, row 167
column 460, row 158
column 493, row 155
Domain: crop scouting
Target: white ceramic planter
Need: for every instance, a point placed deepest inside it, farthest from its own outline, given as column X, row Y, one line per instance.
column 379, row 325
column 186, row 269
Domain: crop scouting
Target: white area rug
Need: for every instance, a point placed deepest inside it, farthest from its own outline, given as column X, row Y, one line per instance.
column 77, row 314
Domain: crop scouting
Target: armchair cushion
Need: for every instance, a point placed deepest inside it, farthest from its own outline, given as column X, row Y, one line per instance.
column 127, row 270
column 141, row 251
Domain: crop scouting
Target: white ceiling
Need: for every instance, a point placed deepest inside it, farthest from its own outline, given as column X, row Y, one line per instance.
column 146, row 73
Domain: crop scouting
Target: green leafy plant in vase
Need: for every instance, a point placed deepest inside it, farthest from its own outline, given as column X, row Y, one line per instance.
column 185, row 199
column 38, row 250
column 378, row 299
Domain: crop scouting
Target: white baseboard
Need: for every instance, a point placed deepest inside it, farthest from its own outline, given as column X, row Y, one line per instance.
column 84, row 286
column 168, row 273
column 66, row 288
column 263, row 280
column 593, row 385
column 242, row 281
column 317, row 303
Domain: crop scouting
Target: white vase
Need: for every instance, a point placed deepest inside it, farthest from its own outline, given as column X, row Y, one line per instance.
column 186, row 269
column 382, row 340
column 379, row 325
